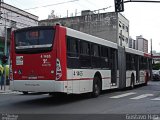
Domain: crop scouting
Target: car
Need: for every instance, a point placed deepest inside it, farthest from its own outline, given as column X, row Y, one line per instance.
column 156, row 75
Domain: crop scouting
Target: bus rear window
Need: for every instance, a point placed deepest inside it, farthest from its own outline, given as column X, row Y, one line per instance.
column 36, row 38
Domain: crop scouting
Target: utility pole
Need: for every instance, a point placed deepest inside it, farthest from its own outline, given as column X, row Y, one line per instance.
column 2, row 66
column 5, row 53
column 151, row 61
column 5, row 44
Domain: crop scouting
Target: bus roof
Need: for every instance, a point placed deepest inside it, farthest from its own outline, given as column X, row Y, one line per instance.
column 137, row 52
column 90, row 38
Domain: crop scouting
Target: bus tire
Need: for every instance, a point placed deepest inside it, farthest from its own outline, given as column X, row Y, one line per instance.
column 96, row 87
column 132, row 85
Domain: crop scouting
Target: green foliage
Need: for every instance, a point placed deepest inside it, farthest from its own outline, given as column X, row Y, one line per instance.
column 156, row 66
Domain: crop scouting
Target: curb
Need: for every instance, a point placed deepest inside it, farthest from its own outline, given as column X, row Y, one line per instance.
column 9, row 92
column 5, row 91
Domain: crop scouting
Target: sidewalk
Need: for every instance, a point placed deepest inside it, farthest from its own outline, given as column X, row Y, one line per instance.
column 7, row 89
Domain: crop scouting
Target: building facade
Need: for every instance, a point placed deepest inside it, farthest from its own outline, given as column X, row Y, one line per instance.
column 132, row 43
column 110, row 26
column 13, row 18
column 142, row 44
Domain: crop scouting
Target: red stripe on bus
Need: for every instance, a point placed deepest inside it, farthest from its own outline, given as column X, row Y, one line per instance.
column 81, row 79
column 87, row 78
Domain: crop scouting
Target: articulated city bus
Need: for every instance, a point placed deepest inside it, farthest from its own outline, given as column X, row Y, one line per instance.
column 57, row 59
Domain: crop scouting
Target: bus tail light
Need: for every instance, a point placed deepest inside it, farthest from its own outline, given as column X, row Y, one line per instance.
column 11, row 76
column 58, row 69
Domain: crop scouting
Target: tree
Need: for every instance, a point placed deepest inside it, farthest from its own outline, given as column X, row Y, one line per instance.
column 156, row 66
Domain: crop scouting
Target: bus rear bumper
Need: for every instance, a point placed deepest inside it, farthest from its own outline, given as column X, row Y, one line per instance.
column 38, row 86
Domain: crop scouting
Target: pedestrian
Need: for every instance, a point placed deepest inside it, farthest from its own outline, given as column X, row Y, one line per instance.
column 1, row 74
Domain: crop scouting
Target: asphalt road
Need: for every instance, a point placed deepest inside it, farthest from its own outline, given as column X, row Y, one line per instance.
column 143, row 100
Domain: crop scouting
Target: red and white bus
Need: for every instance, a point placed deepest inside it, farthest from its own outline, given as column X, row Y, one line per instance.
column 57, row 59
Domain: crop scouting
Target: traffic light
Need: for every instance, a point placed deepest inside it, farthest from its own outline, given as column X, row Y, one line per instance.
column 4, row 59
column 119, row 5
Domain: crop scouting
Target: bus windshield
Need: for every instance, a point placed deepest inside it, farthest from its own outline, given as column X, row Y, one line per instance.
column 38, row 38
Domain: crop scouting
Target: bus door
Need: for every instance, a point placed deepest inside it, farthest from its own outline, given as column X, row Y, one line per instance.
column 113, row 54
column 137, row 69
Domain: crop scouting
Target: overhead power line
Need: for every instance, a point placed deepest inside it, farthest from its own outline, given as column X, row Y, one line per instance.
column 52, row 4
column 146, row 1
column 91, row 3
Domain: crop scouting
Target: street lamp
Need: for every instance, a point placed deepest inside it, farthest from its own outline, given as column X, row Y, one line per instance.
column 151, row 76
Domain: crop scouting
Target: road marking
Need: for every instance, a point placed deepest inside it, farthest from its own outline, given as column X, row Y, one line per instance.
column 156, row 117
column 141, row 96
column 123, row 95
column 20, row 93
column 158, row 98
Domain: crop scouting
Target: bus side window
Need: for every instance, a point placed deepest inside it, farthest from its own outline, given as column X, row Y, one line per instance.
column 133, row 63
column 95, row 50
column 104, row 57
column 85, row 48
column 96, row 58
column 68, row 44
column 85, row 58
column 72, row 46
column 72, row 53
column 141, row 63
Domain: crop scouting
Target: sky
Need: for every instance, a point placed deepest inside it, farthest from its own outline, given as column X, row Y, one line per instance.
column 144, row 18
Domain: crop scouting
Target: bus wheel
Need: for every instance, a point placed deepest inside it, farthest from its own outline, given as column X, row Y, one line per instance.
column 96, row 87
column 25, row 93
column 132, row 82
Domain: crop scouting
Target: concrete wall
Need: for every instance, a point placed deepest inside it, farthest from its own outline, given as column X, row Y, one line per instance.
column 104, row 25
column 12, row 15
column 132, row 43
column 142, row 44
column 123, row 31
column 13, row 18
